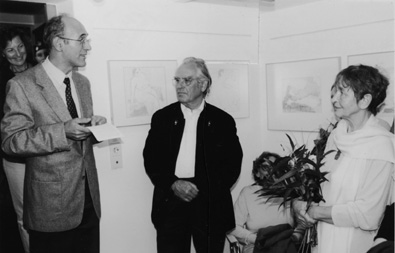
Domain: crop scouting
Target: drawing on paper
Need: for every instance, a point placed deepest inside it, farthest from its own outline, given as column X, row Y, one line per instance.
column 138, row 89
column 144, row 90
column 302, row 95
column 229, row 90
column 298, row 93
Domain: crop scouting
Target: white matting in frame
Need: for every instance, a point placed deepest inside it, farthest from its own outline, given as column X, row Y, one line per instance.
column 384, row 62
column 298, row 93
column 138, row 89
column 229, row 90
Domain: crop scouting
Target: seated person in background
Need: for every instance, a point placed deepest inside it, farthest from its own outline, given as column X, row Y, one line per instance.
column 253, row 212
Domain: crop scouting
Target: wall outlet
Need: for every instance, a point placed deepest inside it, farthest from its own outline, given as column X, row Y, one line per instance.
column 116, row 156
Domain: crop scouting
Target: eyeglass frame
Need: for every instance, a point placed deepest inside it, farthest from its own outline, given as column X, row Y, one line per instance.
column 186, row 80
column 82, row 41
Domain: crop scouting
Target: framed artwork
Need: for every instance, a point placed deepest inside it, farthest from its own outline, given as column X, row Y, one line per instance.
column 298, row 93
column 384, row 62
column 229, row 90
column 138, row 89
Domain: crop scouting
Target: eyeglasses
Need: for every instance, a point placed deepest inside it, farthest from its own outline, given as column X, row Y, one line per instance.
column 186, row 80
column 82, row 41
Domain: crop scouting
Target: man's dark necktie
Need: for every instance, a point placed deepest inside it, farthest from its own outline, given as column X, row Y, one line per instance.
column 69, row 99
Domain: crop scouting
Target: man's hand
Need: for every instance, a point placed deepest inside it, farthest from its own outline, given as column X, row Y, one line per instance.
column 185, row 190
column 98, row 120
column 75, row 129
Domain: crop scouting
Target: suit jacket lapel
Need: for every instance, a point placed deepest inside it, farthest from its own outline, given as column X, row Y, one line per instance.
column 177, row 129
column 80, row 86
column 51, row 95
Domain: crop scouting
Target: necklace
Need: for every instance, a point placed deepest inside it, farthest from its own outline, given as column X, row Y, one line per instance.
column 14, row 69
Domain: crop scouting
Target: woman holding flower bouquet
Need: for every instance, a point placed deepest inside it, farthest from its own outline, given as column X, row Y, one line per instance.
column 360, row 182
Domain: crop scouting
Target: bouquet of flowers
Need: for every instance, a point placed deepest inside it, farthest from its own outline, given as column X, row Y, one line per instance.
column 298, row 176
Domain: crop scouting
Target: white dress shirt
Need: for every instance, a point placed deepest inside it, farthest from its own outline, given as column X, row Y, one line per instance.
column 57, row 77
column 185, row 166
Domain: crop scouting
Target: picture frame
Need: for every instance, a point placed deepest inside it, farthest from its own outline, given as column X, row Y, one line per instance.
column 298, row 93
column 384, row 62
column 138, row 89
column 229, row 90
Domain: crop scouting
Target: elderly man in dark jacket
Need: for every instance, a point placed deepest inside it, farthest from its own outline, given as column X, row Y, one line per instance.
column 193, row 157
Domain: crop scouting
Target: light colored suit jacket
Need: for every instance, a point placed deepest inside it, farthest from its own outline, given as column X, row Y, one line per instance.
column 56, row 167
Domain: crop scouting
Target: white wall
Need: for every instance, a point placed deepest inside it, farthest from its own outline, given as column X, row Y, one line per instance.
column 313, row 31
column 320, row 30
column 157, row 30
column 173, row 30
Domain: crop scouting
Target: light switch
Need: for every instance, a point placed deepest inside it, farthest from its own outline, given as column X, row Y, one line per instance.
column 116, row 156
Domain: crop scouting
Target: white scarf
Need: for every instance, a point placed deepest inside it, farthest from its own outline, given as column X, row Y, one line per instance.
column 369, row 142
column 346, row 176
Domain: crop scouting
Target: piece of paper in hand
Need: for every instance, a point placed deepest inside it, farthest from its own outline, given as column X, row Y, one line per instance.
column 105, row 132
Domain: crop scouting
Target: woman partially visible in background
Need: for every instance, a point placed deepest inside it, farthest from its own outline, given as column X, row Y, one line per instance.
column 40, row 52
column 15, row 58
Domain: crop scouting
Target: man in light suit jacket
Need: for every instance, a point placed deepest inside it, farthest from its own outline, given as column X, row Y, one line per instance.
column 193, row 157
column 61, row 190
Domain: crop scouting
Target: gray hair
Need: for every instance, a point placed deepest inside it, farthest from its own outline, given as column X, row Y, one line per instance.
column 53, row 28
column 201, row 66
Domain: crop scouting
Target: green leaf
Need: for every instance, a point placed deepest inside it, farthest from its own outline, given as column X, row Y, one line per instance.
column 292, row 143
column 287, row 175
column 328, row 152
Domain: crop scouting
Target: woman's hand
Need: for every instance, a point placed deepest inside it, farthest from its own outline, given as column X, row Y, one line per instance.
column 321, row 213
column 301, row 215
column 251, row 238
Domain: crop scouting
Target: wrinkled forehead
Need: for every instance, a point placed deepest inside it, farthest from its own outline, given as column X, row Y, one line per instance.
column 187, row 70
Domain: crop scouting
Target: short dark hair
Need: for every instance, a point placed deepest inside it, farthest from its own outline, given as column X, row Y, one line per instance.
column 54, row 27
column 364, row 80
column 201, row 65
column 261, row 162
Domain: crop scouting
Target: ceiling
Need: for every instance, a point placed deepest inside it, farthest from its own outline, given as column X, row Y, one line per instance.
column 264, row 5
column 283, row 4
column 33, row 12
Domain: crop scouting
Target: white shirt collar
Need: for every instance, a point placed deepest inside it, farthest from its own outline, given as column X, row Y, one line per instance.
column 185, row 110
column 56, row 74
